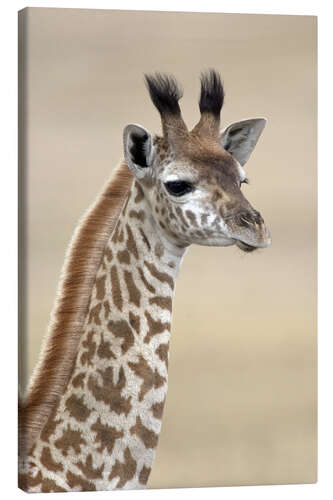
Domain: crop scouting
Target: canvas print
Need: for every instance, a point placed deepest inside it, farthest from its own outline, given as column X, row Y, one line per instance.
column 202, row 128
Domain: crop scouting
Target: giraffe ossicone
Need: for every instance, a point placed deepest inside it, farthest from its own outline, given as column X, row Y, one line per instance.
column 93, row 411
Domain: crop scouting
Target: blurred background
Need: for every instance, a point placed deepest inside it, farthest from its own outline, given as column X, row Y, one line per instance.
column 241, row 405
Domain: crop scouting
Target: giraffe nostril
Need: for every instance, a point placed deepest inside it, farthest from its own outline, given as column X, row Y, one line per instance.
column 257, row 217
column 249, row 217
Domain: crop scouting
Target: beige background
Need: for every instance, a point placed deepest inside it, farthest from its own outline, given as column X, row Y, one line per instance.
column 241, row 406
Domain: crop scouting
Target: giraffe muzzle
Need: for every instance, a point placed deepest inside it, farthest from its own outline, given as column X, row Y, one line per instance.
column 250, row 231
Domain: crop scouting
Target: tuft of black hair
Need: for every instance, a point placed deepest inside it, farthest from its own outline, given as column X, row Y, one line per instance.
column 164, row 92
column 212, row 93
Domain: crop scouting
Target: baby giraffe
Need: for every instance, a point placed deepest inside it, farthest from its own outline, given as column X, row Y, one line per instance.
column 92, row 415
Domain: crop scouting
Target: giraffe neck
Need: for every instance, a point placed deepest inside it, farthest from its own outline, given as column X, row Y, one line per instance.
column 104, row 431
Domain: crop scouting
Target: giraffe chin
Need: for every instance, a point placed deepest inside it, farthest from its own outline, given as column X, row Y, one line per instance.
column 245, row 247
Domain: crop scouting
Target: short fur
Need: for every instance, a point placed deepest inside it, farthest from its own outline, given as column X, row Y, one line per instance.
column 78, row 276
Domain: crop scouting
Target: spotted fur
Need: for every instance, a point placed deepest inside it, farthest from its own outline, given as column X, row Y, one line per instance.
column 96, row 426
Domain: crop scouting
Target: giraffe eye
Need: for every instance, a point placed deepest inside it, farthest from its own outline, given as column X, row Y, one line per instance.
column 178, row 188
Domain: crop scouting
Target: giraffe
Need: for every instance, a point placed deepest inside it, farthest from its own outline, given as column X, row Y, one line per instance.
column 92, row 415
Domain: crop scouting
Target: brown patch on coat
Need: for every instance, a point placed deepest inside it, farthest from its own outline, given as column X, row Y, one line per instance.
column 121, row 329
column 104, row 350
column 73, row 480
column 94, row 314
column 146, row 283
column 27, row 481
column 78, row 380
column 133, row 291
column 70, row 439
column 134, row 321
column 149, row 377
column 199, row 234
column 71, row 306
column 50, row 486
column 157, row 409
column 139, row 193
column 163, row 351
column 154, row 327
column 191, row 216
column 147, row 436
column 109, row 392
column 88, row 469
column 162, row 302
column 90, row 346
column 124, row 256
column 171, row 213
column 107, row 309
column 140, row 215
column 159, row 380
column 115, row 289
column 106, row 435
column 130, row 244
column 76, row 408
column 180, row 214
column 145, row 239
column 48, row 461
column 124, row 470
column 163, row 277
column 100, row 287
column 144, row 474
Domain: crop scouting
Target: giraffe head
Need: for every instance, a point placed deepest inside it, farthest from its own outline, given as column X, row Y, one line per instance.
column 192, row 180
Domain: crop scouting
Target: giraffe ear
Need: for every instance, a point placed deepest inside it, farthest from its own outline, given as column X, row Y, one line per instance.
column 240, row 138
column 138, row 150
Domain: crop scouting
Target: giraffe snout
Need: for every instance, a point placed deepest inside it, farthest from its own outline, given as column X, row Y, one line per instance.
column 251, row 229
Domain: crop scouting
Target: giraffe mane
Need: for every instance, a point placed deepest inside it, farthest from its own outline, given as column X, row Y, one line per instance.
column 61, row 341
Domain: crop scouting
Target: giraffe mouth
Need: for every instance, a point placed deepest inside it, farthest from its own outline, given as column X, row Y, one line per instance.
column 245, row 247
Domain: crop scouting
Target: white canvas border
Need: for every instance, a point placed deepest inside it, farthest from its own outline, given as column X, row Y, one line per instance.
column 8, row 245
